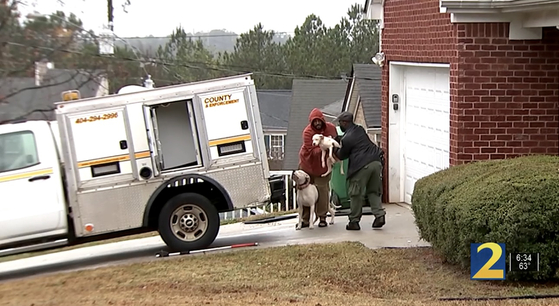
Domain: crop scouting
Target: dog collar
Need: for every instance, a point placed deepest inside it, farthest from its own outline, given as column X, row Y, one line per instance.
column 304, row 185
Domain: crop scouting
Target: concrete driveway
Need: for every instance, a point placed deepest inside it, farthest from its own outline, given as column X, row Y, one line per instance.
column 399, row 231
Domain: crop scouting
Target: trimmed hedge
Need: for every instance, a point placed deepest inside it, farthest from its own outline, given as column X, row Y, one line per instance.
column 512, row 201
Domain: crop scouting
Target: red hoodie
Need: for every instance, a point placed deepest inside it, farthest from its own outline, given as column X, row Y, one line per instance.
column 309, row 155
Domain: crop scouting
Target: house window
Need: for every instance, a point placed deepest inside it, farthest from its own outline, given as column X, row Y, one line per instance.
column 274, row 145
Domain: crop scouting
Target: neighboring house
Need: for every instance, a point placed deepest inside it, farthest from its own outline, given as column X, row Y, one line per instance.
column 274, row 112
column 363, row 98
column 332, row 110
column 34, row 98
column 306, row 95
column 465, row 81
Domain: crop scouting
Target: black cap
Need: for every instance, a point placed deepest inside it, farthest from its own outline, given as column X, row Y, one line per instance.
column 345, row 116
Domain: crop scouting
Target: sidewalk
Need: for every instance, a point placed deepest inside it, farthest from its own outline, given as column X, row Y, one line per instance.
column 399, row 231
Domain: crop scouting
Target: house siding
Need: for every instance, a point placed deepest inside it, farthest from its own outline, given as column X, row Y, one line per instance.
column 359, row 118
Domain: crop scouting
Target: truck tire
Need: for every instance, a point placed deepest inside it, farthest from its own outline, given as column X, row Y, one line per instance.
column 187, row 222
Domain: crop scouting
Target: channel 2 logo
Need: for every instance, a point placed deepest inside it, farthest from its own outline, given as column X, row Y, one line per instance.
column 488, row 261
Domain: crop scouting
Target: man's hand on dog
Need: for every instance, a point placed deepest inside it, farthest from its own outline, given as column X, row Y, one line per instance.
column 335, row 151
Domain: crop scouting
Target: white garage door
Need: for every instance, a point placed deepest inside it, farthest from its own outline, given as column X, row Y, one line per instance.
column 427, row 124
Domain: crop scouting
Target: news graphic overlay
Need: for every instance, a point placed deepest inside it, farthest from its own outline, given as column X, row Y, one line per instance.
column 524, row 262
column 487, row 261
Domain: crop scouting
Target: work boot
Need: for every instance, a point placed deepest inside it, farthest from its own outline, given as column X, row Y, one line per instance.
column 379, row 222
column 353, row 226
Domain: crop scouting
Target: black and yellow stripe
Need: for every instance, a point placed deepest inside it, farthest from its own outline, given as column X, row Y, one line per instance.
column 112, row 159
column 227, row 140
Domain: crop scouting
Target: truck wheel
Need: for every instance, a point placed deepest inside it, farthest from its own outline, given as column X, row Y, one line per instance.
column 188, row 222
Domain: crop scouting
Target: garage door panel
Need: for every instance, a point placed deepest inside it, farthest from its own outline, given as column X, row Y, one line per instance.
column 427, row 124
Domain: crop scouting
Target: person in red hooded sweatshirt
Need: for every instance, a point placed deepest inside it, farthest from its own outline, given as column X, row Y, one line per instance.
column 310, row 161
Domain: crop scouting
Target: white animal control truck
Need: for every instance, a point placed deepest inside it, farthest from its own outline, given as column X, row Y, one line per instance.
column 168, row 159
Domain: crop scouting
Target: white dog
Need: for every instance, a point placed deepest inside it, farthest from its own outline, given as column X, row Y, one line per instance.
column 327, row 144
column 307, row 195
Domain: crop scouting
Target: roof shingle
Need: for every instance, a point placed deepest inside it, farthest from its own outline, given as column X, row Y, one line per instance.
column 274, row 108
column 368, row 81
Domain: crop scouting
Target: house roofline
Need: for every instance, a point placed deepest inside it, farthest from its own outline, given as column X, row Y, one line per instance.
column 272, row 130
column 349, row 88
column 492, row 6
column 368, row 4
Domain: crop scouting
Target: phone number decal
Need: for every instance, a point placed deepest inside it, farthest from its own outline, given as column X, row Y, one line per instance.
column 97, row 118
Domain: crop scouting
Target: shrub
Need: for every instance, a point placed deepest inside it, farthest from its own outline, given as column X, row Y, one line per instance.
column 512, row 201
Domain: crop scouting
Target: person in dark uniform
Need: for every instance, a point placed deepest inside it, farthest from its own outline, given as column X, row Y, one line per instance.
column 365, row 164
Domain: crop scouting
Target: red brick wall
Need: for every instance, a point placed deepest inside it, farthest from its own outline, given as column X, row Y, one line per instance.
column 415, row 31
column 504, row 94
column 508, row 94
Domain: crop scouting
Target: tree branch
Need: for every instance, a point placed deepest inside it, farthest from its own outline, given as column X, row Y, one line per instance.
column 9, row 10
column 30, row 64
column 43, row 111
column 4, row 98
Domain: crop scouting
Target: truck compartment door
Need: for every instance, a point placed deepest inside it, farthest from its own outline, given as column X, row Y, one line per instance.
column 227, row 123
column 153, row 138
column 100, row 142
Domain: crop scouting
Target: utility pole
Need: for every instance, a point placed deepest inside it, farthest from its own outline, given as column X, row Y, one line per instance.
column 110, row 12
column 106, row 38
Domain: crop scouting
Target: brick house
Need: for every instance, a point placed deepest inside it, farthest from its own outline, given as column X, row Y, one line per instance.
column 465, row 81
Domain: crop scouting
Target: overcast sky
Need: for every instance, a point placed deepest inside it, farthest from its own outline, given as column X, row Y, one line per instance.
column 161, row 17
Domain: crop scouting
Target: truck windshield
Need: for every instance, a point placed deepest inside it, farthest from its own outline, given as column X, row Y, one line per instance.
column 17, row 151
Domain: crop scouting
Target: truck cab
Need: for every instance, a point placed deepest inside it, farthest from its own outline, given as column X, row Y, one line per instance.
column 32, row 202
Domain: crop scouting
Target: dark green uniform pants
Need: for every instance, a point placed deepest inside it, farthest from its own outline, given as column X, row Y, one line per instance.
column 365, row 184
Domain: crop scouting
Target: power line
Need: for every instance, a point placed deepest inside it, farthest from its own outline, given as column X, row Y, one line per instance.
column 206, row 35
column 205, row 66
column 95, row 37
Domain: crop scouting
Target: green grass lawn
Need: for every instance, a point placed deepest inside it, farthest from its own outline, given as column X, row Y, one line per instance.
column 317, row 274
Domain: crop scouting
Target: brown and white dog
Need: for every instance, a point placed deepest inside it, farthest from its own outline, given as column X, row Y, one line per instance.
column 327, row 144
column 307, row 196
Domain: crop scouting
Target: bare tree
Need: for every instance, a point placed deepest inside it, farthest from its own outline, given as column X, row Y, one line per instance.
column 43, row 57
